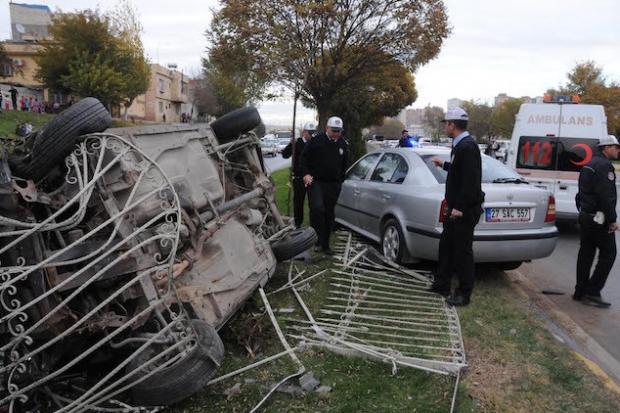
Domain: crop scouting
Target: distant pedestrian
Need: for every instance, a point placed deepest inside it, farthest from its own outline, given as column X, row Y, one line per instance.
column 405, row 140
column 56, row 107
column 0, row 101
column 36, row 107
column 295, row 148
column 28, row 127
column 596, row 202
column 14, row 94
column 323, row 164
column 464, row 199
column 164, row 117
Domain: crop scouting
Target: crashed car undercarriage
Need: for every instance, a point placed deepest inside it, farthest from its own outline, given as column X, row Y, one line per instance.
column 123, row 251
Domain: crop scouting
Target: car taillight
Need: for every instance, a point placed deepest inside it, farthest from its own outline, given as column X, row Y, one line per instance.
column 443, row 210
column 550, row 210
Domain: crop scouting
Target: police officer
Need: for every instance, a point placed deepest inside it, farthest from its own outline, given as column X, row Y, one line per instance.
column 295, row 147
column 596, row 202
column 464, row 198
column 323, row 164
column 405, row 140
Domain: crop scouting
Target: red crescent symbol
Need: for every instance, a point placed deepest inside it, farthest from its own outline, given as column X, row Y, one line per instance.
column 588, row 156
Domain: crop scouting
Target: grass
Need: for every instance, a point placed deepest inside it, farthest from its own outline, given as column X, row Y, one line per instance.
column 515, row 363
column 10, row 118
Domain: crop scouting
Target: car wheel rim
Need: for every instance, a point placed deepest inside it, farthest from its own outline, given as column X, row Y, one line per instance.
column 391, row 243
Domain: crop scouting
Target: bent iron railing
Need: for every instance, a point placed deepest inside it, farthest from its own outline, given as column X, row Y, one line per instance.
column 32, row 337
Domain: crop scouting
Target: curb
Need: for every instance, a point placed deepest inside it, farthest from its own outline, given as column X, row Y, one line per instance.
column 527, row 288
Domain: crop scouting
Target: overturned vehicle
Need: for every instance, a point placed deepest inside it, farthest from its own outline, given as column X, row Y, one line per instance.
column 123, row 252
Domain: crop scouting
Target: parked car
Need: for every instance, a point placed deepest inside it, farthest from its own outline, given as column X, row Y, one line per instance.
column 282, row 143
column 269, row 148
column 124, row 252
column 396, row 198
column 501, row 154
column 390, row 143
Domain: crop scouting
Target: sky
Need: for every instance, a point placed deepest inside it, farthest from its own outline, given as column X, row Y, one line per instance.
column 517, row 47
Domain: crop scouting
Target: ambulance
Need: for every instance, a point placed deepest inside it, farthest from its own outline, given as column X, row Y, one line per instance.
column 552, row 141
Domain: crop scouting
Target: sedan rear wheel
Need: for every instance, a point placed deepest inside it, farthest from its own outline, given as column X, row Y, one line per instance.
column 393, row 242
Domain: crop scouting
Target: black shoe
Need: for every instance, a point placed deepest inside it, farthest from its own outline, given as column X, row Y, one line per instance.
column 457, row 300
column 327, row 251
column 596, row 300
column 433, row 289
column 577, row 297
column 318, row 248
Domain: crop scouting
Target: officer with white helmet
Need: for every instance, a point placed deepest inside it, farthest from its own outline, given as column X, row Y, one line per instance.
column 596, row 202
column 296, row 147
column 323, row 165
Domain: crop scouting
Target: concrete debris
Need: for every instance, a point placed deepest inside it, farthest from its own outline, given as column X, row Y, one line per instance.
column 236, row 389
column 286, row 388
column 308, row 382
column 324, row 389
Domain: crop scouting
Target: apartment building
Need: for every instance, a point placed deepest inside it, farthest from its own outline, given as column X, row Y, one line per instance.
column 167, row 98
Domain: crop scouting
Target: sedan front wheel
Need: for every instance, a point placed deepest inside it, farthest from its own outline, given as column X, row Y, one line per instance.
column 392, row 241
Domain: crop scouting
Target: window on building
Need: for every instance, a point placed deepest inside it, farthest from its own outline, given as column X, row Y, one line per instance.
column 161, row 106
column 58, row 97
column 7, row 70
column 177, row 108
column 162, row 85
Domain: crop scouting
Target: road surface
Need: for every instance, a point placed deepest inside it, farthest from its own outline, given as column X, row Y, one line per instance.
column 273, row 164
column 557, row 272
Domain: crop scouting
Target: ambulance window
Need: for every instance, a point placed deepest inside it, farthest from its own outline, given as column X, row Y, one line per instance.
column 550, row 153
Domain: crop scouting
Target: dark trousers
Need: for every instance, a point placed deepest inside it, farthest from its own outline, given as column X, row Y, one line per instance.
column 322, row 197
column 456, row 255
column 299, row 197
column 594, row 236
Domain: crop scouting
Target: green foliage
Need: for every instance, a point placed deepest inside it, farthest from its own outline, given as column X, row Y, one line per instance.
column 389, row 127
column 230, row 84
column 95, row 54
column 503, row 117
column 432, row 122
column 320, row 49
column 479, row 124
column 382, row 91
column 588, row 81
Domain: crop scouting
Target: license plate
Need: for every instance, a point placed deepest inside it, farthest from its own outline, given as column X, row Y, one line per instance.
column 507, row 214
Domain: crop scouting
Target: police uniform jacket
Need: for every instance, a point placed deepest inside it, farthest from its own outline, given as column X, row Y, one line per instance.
column 288, row 151
column 597, row 188
column 325, row 159
column 463, row 187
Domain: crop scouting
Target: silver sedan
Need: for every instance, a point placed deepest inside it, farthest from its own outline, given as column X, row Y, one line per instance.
column 396, row 198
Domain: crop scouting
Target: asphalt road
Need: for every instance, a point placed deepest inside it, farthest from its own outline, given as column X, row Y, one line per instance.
column 557, row 272
column 273, row 164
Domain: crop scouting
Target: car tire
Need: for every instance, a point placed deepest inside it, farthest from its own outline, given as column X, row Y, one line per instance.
column 183, row 379
column 294, row 243
column 56, row 139
column 507, row 266
column 393, row 243
column 229, row 126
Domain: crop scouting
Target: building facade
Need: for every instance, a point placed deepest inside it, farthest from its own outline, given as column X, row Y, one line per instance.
column 167, row 98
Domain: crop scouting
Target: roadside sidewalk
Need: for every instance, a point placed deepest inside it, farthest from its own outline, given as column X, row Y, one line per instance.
column 594, row 356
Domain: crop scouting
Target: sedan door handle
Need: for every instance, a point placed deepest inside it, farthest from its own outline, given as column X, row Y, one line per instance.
column 386, row 197
column 356, row 192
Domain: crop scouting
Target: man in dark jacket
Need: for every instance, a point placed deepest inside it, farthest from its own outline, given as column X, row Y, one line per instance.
column 596, row 202
column 295, row 148
column 464, row 199
column 323, row 164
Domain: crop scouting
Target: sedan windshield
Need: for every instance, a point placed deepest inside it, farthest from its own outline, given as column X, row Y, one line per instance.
column 493, row 171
